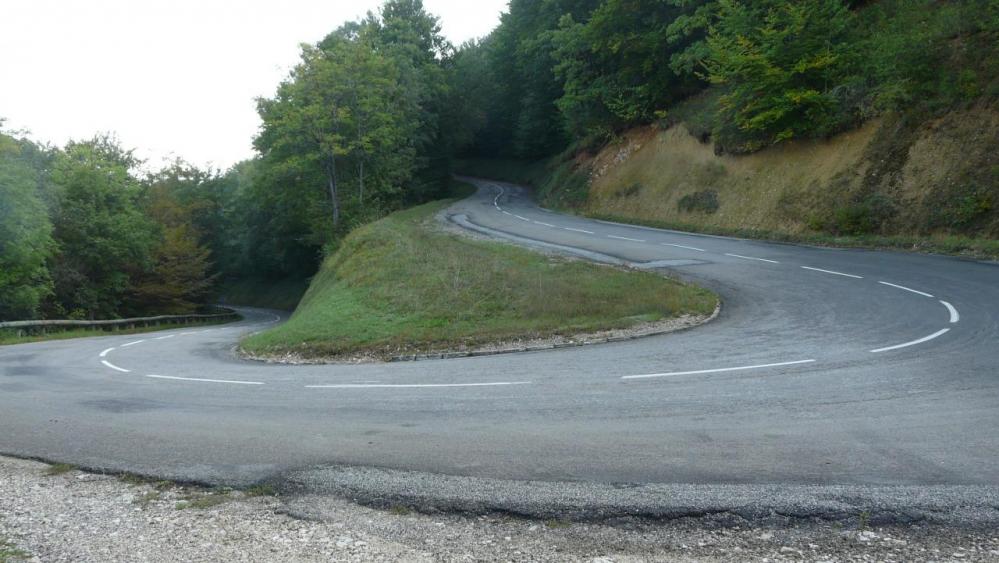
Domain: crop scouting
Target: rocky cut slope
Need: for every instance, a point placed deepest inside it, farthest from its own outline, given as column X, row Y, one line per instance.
column 935, row 181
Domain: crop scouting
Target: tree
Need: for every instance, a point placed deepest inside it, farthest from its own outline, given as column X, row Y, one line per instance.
column 779, row 63
column 180, row 278
column 25, row 234
column 104, row 238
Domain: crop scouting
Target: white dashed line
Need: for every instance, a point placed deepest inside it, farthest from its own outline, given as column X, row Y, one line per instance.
column 752, row 258
column 522, row 218
column 914, row 342
column 719, row 370
column 578, row 230
column 902, row 287
column 954, row 315
column 204, row 380
column 686, row 247
column 625, row 238
column 833, row 273
column 165, row 337
column 416, row 385
column 543, row 224
column 114, row 367
column 106, row 352
column 133, row 343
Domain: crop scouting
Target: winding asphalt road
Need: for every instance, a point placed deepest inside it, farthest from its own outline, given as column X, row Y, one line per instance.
column 825, row 366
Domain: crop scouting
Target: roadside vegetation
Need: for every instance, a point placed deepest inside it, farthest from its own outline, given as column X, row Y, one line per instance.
column 379, row 113
column 11, row 336
column 401, row 285
column 882, row 117
column 10, row 553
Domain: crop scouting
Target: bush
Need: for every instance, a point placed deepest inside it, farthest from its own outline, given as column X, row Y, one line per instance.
column 863, row 217
column 705, row 201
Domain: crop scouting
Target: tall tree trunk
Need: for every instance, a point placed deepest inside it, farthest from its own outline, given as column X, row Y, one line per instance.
column 334, row 196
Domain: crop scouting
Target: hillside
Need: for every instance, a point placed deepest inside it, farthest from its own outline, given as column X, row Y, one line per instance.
column 402, row 286
column 897, row 182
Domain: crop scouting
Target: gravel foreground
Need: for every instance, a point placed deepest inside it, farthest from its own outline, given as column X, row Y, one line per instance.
column 77, row 516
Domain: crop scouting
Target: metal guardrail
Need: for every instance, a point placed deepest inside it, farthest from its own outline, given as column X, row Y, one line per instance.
column 23, row 328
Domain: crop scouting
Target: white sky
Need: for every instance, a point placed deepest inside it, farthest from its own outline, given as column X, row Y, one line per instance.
column 170, row 77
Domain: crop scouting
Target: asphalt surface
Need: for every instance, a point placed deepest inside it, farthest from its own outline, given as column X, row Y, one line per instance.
column 800, row 382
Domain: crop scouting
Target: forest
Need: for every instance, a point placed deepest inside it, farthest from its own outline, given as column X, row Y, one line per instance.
column 374, row 115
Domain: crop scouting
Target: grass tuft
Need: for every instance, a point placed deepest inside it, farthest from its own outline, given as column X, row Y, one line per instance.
column 59, row 469
column 9, row 553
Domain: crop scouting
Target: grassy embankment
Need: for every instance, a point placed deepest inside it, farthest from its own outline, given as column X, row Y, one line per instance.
column 401, row 285
column 9, row 336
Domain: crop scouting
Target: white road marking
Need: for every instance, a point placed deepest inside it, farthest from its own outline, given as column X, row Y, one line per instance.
column 578, row 230
column 752, row 258
column 914, row 342
column 106, row 352
column 546, row 210
column 133, row 343
column 505, row 212
column 114, row 367
column 544, row 224
column 687, row 247
column 186, row 333
column 204, row 380
column 626, row 238
column 902, row 287
column 832, row 272
column 521, row 218
column 415, row 385
column 165, row 337
column 719, row 370
column 954, row 315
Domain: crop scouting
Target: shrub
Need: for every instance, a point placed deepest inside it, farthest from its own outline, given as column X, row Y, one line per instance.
column 704, row 201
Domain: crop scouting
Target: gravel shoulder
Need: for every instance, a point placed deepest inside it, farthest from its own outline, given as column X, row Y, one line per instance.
column 77, row 516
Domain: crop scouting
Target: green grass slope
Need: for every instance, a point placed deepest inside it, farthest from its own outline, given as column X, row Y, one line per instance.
column 401, row 285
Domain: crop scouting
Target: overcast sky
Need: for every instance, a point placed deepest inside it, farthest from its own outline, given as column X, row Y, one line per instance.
column 171, row 77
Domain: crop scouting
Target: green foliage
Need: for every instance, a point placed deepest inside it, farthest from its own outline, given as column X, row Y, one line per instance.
column 778, row 63
column 611, row 65
column 25, row 233
column 104, row 238
column 400, row 285
column 704, row 201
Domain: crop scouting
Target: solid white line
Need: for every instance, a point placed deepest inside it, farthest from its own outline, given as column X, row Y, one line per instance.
column 165, row 337
column 521, row 218
column 204, row 380
column 752, row 258
column 415, row 385
column 954, row 315
column 700, row 371
column 687, row 247
column 545, row 224
column 546, row 210
column 114, row 367
column 505, row 212
column 578, row 230
column 105, row 353
column 625, row 238
column 833, row 273
column 902, row 287
column 914, row 342
column 133, row 343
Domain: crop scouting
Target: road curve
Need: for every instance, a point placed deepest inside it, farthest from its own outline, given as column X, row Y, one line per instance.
column 826, row 366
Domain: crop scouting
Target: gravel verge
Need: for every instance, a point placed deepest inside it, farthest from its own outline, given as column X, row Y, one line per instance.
column 77, row 516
